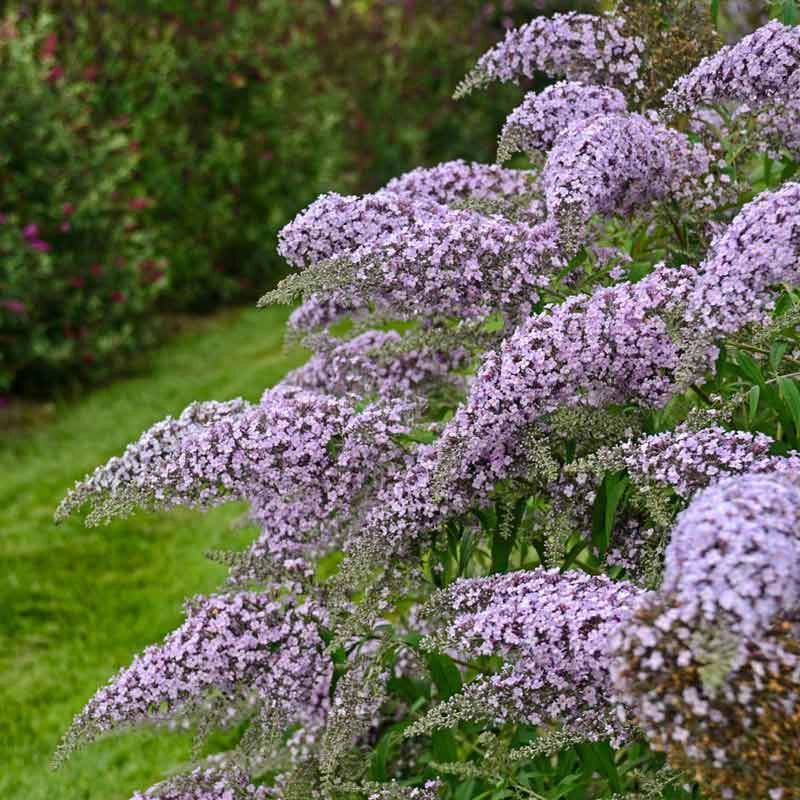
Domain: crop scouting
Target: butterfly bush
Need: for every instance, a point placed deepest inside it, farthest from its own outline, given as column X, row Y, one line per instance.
column 760, row 68
column 579, row 47
column 713, row 663
column 535, row 490
column 356, row 367
column 538, row 121
column 553, row 629
column 615, row 163
column 246, row 647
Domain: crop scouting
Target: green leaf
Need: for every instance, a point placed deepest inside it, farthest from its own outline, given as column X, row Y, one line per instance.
column 444, row 673
column 715, row 12
column 573, row 553
column 469, row 541
column 753, row 397
column 605, row 508
column 377, row 766
column 776, row 354
column 444, row 747
column 789, row 12
column 749, row 368
column 501, row 550
column 791, row 396
column 599, row 757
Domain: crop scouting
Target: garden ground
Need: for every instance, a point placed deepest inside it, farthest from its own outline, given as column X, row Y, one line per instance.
column 77, row 603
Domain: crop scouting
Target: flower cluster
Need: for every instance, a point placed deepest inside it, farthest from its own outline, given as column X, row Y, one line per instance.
column 760, row 68
column 458, row 263
column 688, row 460
column 278, row 448
column 395, row 791
column 682, row 460
column 131, row 470
column 206, row 783
column 553, row 630
column 357, row 367
column 758, row 251
column 334, row 224
column 537, row 122
column 615, row 163
column 734, row 555
column 233, row 650
column 579, row 47
column 712, row 666
column 458, row 181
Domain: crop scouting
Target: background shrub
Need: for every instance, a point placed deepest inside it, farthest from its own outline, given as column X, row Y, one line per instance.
column 186, row 133
column 80, row 266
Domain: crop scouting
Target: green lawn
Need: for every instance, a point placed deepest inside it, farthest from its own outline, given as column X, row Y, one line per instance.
column 77, row 603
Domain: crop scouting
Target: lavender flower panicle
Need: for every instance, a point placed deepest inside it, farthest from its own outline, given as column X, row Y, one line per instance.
column 206, row 783
column 335, row 224
column 615, row 163
column 579, row 47
column 759, row 250
column 553, row 630
column 454, row 182
column 357, row 368
column 155, row 446
column 538, row 121
column 232, row 650
column 711, row 667
column 761, row 68
column 456, row 264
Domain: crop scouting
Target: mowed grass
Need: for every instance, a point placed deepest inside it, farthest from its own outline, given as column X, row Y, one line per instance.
column 75, row 603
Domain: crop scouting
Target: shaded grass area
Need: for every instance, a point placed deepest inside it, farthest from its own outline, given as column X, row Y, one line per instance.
column 76, row 604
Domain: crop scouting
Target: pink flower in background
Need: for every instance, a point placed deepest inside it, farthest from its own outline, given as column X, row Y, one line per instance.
column 30, row 231
column 96, row 270
column 78, row 281
column 91, row 72
column 15, row 306
column 67, row 209
column 3, row 217
column 139, row 203
column 117, row 297
column 267, row 155
column 42, row 247
column 55, row 73
column 65, row 227
column 49, row 46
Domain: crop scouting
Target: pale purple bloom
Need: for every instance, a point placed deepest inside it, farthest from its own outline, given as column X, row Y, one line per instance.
column 764, row 66
column 553, row 630
column 614, row 164
column 356, row 367
column 579, row 47
column 233, row 651
column 206, row 783
column 542, row 117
